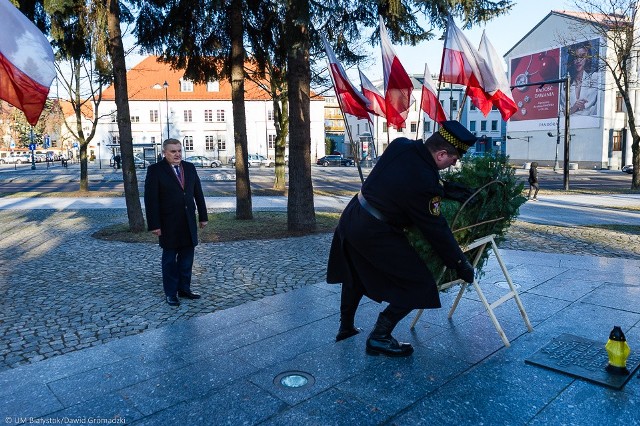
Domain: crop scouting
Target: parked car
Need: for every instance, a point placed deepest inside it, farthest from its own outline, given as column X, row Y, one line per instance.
column 254, row 160
column 271, row 162
column 202, row 161
column 628, row 168
column 140, row 162
column 40, row 158
column 334, row 160
column 16, row 159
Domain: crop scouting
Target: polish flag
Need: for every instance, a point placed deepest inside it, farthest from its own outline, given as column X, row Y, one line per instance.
column 398, row 87
column 351, row 100
column 463, row 64
column 430, row 103
column 377, row 103
column 26, row 63
column 502, row 98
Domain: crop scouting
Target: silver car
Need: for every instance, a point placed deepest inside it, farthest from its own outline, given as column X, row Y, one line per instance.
column 202, row 161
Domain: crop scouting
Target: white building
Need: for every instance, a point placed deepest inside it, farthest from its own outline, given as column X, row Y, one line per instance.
column 563, row 42
column 200, row 115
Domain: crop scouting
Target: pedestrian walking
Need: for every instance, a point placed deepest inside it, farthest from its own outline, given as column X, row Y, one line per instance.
column 534, row 186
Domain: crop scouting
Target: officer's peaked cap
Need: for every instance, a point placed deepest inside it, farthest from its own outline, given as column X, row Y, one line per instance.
column 457, row 135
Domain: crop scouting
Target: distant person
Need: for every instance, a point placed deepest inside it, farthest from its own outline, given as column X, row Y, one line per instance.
column 533, row 181
column 116, row 161
column 172, row 194
column 370, row 254
column 583, row 89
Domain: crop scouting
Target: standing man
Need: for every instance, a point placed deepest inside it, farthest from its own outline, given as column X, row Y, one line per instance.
column 370, row 254
column 172, row 191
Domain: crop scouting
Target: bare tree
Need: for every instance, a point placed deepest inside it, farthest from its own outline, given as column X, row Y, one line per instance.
column 616, row 23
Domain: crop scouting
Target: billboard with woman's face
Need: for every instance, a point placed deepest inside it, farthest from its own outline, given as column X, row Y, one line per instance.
column 538, row 107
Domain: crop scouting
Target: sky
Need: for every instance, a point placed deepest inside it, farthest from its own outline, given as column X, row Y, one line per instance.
column 503, row 32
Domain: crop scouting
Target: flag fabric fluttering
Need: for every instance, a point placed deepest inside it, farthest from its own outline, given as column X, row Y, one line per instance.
column 377, row 104
column 398, row 87
column 26, row 63
column 351, row 100
column 430, row 103
column 502, row 98
column 463, row 64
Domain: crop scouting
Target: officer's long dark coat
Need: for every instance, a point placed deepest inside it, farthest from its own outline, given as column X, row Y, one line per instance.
column 171, row 208
column 376, row 256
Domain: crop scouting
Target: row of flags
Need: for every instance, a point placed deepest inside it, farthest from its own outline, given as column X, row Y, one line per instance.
column 479, row 70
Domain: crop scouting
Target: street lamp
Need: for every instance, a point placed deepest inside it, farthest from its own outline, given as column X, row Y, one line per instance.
column 523, row 138
column 157, row 86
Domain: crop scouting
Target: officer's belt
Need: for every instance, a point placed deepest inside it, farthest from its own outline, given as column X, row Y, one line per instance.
column 370, row 209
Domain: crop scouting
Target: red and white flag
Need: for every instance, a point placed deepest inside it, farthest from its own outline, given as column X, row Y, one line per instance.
column 377, row 104
column 502, row 98
column 398, row 87
column 463, row 64
column 430, row 103
column 26, row 63
column 351, row 100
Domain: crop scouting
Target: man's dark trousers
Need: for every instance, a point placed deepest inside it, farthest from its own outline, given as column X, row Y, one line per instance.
column 176, row 269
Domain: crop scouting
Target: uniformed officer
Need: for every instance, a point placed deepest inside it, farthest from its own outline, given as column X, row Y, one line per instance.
column 370, row 254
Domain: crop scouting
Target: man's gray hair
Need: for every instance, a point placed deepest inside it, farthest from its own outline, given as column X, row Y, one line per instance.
column 170, row 141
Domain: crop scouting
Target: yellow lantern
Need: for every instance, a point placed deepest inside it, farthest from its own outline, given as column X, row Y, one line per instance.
column 618, row 351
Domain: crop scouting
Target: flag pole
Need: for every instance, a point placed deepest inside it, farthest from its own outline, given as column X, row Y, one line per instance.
column 346, row 124
column 421, row 99
column 446, row 37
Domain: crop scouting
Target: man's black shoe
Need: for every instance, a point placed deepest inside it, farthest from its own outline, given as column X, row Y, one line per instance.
column 173, row 301
column 388, row 346
column 188, row 294
column 345, row 333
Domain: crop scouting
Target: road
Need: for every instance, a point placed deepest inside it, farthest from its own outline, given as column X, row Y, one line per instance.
column 21, row 178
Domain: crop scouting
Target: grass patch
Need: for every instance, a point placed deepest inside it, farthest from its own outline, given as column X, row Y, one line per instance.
column 224, row 226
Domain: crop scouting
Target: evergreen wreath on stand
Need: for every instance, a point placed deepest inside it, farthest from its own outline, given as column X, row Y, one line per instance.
column 489, row 198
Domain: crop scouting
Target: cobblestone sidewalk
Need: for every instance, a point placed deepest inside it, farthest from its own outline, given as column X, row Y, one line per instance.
column 63, row 290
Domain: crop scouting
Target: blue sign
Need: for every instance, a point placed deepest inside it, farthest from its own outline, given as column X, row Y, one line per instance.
column 32, row 146
column 12, row 145
column 76, row 145
column 46, row 141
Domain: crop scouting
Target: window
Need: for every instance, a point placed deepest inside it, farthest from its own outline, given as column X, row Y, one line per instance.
column 271, row 142
column 270, row 115
column 153, row 116
column 186, row 85
column 494, row 125
column 222, row 144
column 473, row 107
column 188, row 143
column 188, row 116
column 115, row 138
column 619, row 102
column 483, row 125
column 617, row 140
column 414, row 127
column 385, row 127
column 472, row 126
column 494, row 108
column 135, row 118
column 209, row 143
column 153, row 140
column 220, row 116
column 213, row 86
column 454, row 105
column 208, row 116
column 427, row 126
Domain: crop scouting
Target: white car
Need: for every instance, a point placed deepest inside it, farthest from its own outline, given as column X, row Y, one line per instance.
column 16, row 159
column 202, row 161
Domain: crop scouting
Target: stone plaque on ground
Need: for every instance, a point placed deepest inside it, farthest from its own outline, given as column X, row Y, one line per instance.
column 584, row 359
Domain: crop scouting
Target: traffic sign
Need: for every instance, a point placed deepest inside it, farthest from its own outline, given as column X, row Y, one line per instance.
column 12, row 145
column 32, row 146
column 76, row 145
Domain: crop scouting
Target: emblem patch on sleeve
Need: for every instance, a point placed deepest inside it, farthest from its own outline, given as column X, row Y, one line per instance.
column 434, row 206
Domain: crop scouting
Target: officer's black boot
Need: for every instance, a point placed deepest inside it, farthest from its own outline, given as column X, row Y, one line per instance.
column 380, row 340
column 349, row 301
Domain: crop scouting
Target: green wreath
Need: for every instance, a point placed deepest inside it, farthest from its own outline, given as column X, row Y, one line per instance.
column 489, row 208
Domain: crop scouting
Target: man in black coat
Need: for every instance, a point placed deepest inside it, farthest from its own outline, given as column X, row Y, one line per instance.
column 172, row 192
column 370, row 254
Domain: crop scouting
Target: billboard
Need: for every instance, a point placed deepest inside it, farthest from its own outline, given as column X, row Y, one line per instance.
column 538, row 107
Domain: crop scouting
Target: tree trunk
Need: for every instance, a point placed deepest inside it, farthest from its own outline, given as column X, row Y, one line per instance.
column 300, row 208
column 280, row 119
column 244, row 208
column 116, row 51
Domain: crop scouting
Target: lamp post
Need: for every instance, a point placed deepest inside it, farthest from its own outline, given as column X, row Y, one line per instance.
column 157, row 86
column 523, row 138
column 99, row 157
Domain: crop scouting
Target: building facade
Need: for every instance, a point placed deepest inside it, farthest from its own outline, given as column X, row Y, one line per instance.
column 566, row 43
column 164, row 104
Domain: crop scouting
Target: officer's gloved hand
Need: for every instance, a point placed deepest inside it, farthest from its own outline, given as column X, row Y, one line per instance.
column 465, row 270
column 458, row 192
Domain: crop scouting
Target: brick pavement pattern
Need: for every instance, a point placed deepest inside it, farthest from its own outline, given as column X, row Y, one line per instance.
column 64, row 290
